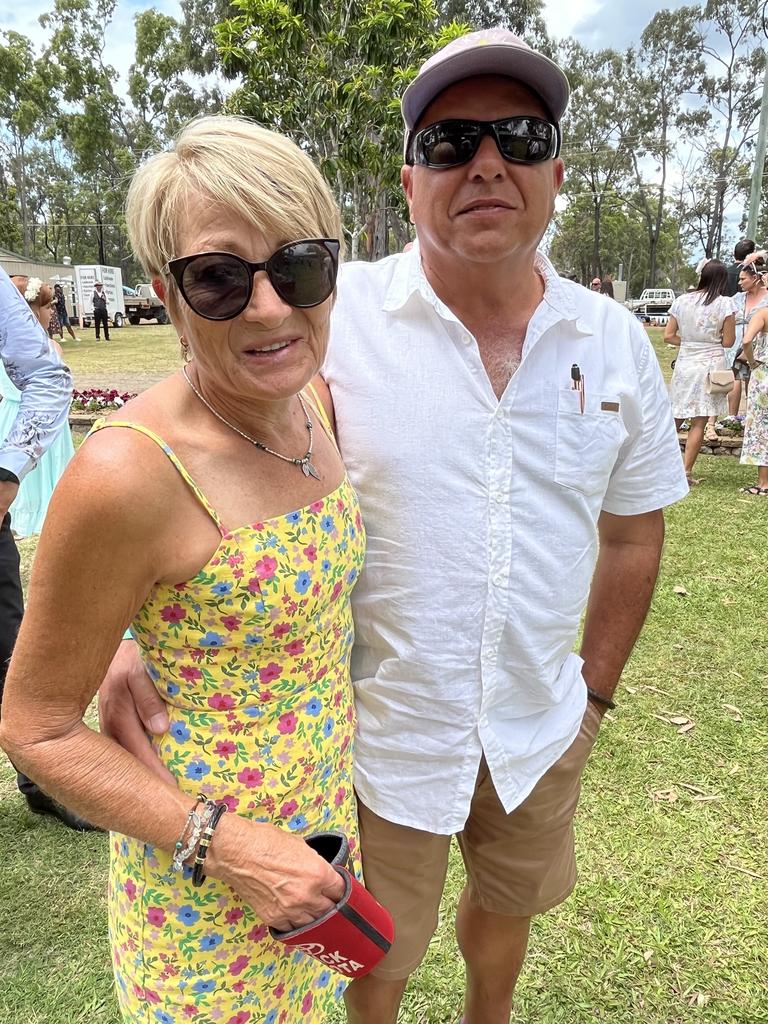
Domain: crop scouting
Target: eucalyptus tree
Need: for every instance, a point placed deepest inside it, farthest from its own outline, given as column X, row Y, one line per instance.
column 330, row 76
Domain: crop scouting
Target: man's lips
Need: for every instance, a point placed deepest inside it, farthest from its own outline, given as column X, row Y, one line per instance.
column 481, row 205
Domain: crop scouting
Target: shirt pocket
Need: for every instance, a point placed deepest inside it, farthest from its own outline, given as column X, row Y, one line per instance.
column 587, row 444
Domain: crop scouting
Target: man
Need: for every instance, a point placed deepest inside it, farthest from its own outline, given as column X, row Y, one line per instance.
column 100, row 314
column 595, row 285
column 495, row 420
column 741, row 250
column 46, row 393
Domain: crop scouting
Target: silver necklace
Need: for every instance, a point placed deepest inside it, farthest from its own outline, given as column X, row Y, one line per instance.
column 304, row 464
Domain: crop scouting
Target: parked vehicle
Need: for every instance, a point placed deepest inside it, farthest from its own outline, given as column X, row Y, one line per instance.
column 145, row 304
column 653, row 305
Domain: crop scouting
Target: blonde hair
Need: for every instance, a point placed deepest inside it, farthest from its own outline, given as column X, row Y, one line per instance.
column 234, row 163
column 43, row 293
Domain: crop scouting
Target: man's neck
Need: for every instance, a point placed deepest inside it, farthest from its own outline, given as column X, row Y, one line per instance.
column 510, row 290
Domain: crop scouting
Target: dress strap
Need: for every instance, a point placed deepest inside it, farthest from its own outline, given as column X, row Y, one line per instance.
column 102, row 424
column 314, row 400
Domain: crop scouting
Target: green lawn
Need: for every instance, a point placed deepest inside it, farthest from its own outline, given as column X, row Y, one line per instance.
column 669, row 924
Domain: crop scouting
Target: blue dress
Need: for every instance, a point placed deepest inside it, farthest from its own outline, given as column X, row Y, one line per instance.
column 31, row 503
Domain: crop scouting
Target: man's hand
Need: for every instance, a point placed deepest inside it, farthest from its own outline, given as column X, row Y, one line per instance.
column 8, row 491
column 129, row 708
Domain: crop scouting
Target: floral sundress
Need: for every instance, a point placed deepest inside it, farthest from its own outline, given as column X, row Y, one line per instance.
column 252, row 659
column 754, row 450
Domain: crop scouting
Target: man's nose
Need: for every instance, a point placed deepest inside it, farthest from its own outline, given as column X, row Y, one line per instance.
column 487, row 161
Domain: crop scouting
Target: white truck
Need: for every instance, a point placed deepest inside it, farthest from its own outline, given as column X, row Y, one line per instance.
column 653, row 305
column 86, row 277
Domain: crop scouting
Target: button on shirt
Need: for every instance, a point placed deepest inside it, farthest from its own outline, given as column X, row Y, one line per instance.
column 34, row 366
column 481, row 518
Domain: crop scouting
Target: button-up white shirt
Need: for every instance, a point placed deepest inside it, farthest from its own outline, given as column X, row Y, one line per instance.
column 481, row 518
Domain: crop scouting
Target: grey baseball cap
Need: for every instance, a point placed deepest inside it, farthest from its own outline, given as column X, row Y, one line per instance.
column 493, row 51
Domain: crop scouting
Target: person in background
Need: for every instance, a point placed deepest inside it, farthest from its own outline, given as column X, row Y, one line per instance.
column 702, row 324
column 754, row 450
column 753, row 295
column 62, row 316
column 31, row 503
column 100, row 312
column 596, row 284
column 741, row 251
column 606, row 287
column 45, row 384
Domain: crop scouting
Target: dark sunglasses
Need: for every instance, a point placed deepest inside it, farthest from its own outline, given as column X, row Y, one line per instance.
column 521, row 140
column 218, row 285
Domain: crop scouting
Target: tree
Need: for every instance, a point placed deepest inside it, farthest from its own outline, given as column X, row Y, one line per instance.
column 523, row 18
column 596, row 161
column 658, row 76
column 330, row 76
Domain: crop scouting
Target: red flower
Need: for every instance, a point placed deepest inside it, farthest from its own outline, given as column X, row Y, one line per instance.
column 221, row 702
column 286, row 723
column 130, row 889
column 150, row 996
column 230, row 622
column 233, row 916
column 236, row 967
column 225, row 748
column 241, row 1017
column 250, row 777
column 295, row 647
column 238, row 986
column 288, row 808
column 231, row 802
column 281, row 629
column 279, row 990
column 311, row 552
column 316, row 506
column 270, row 672
column 265, row 568
column 190, row 673
column 336, row 590
column 156, row 915
column 173, row 613
column 306, row 1003
column 257, row 933
column 340, row 794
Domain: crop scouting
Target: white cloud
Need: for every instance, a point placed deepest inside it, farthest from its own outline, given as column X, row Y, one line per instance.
column 563, row 17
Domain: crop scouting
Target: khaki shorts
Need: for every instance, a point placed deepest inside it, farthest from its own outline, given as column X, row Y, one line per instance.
column 517, row 864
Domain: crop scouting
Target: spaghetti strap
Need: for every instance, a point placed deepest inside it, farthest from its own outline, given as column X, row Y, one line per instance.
column 314, row 400
column 102, row 424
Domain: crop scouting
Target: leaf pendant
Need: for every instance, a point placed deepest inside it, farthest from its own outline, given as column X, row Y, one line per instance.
column 309, row 470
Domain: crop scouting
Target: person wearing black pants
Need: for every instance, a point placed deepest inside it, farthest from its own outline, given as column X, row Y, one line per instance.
column 100, row 315
column 46, row 393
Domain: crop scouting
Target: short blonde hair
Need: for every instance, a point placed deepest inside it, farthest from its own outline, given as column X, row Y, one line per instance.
column 235, row 163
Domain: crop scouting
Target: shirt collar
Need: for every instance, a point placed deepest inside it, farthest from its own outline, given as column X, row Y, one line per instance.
column 409, row 279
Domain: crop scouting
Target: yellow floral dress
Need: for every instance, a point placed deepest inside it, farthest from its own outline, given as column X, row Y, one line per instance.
column 252, row 659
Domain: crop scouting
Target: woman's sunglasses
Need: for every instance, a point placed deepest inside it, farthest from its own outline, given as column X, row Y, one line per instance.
column 218, row 285
column 521, row 140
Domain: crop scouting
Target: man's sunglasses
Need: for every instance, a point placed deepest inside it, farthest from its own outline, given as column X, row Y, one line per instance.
column 521, row 140
column 218, row 285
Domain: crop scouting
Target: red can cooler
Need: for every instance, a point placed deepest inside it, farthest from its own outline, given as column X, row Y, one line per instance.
column 356, row 933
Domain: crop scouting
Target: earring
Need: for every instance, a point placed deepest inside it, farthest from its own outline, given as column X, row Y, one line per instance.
column 186, row 355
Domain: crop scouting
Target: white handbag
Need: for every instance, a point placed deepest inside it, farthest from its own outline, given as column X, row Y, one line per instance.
column 720, row 382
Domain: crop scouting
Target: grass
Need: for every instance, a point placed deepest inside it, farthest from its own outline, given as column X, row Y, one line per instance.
column 669, row 923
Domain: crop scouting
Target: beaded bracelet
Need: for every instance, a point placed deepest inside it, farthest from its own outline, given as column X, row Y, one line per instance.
column 599, row 699
column 193, row 829
column 205, row 841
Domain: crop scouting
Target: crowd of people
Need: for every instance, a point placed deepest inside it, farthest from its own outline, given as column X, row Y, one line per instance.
column 307, row 675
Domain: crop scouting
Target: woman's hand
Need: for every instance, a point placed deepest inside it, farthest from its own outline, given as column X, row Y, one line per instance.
column 286, row 883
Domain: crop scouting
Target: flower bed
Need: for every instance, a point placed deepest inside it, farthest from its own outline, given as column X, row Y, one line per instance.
column 98, row 400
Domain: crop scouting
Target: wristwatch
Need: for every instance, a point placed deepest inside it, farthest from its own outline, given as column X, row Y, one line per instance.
column 7, row 477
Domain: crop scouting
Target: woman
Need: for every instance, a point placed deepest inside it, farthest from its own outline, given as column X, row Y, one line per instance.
column 702, row 323
column 30, row 505
column 752, row 295
column 62, row 316
column 224, row 476
column 754, row 450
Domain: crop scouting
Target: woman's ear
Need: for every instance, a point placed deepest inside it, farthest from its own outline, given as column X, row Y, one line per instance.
column 159, row 285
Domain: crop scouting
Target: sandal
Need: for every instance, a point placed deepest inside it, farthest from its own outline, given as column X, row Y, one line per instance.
column 693, row 481
column 754, row 489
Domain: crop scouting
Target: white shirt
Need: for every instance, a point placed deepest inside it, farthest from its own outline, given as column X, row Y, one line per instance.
column 481, row 521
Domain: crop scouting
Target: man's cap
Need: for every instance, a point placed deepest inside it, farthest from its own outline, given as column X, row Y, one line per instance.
column 493, row 51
